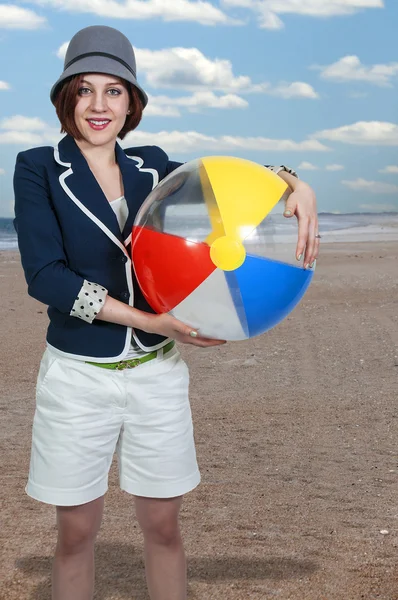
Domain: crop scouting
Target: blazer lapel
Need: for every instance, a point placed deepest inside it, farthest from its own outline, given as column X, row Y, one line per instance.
column 137, row 183
column 82, row 187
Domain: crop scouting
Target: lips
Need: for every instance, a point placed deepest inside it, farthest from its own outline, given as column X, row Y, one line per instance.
column 98, row 124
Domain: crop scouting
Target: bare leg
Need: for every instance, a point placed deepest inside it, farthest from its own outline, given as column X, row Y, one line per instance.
column 165, row 564
column 73, row 566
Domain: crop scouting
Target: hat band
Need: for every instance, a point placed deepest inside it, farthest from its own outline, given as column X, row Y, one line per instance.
column 119, row 60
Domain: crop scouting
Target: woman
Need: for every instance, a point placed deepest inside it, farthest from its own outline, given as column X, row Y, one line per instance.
column 75, row 206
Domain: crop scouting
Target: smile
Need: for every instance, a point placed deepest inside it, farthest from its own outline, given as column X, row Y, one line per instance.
column 98, row 124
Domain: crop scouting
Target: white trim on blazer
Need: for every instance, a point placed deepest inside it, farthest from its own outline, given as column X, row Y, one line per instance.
column 152, row 172
column 128, row 266
column 112, row 237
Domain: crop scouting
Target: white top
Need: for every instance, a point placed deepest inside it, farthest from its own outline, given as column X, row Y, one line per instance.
column 121, row 210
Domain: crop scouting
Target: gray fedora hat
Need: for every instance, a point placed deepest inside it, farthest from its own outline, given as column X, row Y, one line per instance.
column 100, row 49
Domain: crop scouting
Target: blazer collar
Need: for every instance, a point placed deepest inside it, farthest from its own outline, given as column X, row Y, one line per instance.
column 81, row 185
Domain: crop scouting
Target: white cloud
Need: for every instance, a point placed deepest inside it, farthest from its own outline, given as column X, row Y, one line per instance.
column 350, row 68
column 30, row 131
column 334, row 167
column 268, row 19
column 205, row 13
column 174, row 141
column 189, row 141
column 198, row 11
column 268, row 11
column 369, row 133
column 307, row 166
column 61, row 52
column 22, row 138
column 389, row 169
column 189, row 69
column 155, row 109
column 210, row 100
column 166, row 106
column 27, row 131
column 297, row 89
column 20, row 123
column 4, row 85
column 372, row 187
column 2, row 172
column 379, row 207
column 239, row 3
column 15, row 17
column 321, row 8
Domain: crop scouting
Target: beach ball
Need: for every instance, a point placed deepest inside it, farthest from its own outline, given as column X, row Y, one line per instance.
column 210, row 246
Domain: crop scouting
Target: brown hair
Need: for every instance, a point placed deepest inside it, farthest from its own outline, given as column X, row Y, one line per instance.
column 66, row 100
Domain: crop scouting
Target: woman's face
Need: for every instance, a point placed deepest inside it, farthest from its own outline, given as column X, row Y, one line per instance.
column 101, row 108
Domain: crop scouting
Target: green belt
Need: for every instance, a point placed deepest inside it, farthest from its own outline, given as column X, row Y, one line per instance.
column 133, row 362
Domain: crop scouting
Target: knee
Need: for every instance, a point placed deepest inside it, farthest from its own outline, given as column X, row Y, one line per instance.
column 75, row 539
column 76, row 531
column 162, row 531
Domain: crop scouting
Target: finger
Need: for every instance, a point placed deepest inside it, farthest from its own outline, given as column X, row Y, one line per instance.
column 201, row 341
column 206, row 343
column 317, row 239
column 188, row 335
column 198, row 340
column 290, row 207
column 310, row 247
column 317, row 245
column 316, row 242
column 185, row 330
column 303, row 228
column 313, row 241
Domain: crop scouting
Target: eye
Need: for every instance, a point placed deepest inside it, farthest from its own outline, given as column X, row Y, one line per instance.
column 83, row 91
column 112, row 90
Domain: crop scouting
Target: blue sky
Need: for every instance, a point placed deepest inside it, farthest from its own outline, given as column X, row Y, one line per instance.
column 312, row 84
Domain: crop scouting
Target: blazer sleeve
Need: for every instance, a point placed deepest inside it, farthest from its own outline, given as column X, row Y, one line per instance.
column 40, row 240
column 172, row 165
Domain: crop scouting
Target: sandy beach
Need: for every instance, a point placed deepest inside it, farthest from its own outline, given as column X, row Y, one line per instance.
column 296, row 434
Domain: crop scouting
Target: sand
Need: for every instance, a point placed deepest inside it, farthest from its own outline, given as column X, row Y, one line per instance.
column 296, row 437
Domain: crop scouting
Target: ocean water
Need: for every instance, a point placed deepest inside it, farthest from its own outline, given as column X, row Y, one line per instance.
column 8, row 237
column 354, row 227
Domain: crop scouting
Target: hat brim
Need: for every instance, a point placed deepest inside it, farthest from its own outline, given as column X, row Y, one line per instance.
column 98, row 64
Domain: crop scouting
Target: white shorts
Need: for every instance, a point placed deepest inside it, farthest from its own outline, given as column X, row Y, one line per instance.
column 84, row 413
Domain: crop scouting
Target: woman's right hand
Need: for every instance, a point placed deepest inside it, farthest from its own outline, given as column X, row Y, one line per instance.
column 171, row 327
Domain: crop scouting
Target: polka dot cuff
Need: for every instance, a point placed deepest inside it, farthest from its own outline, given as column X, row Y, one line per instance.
column 89, row 301
column 281, row 168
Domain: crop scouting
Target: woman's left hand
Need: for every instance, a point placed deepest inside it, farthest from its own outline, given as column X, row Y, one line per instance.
column 302, row 204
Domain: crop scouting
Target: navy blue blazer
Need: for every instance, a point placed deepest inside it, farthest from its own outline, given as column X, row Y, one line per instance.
column 68, row 232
